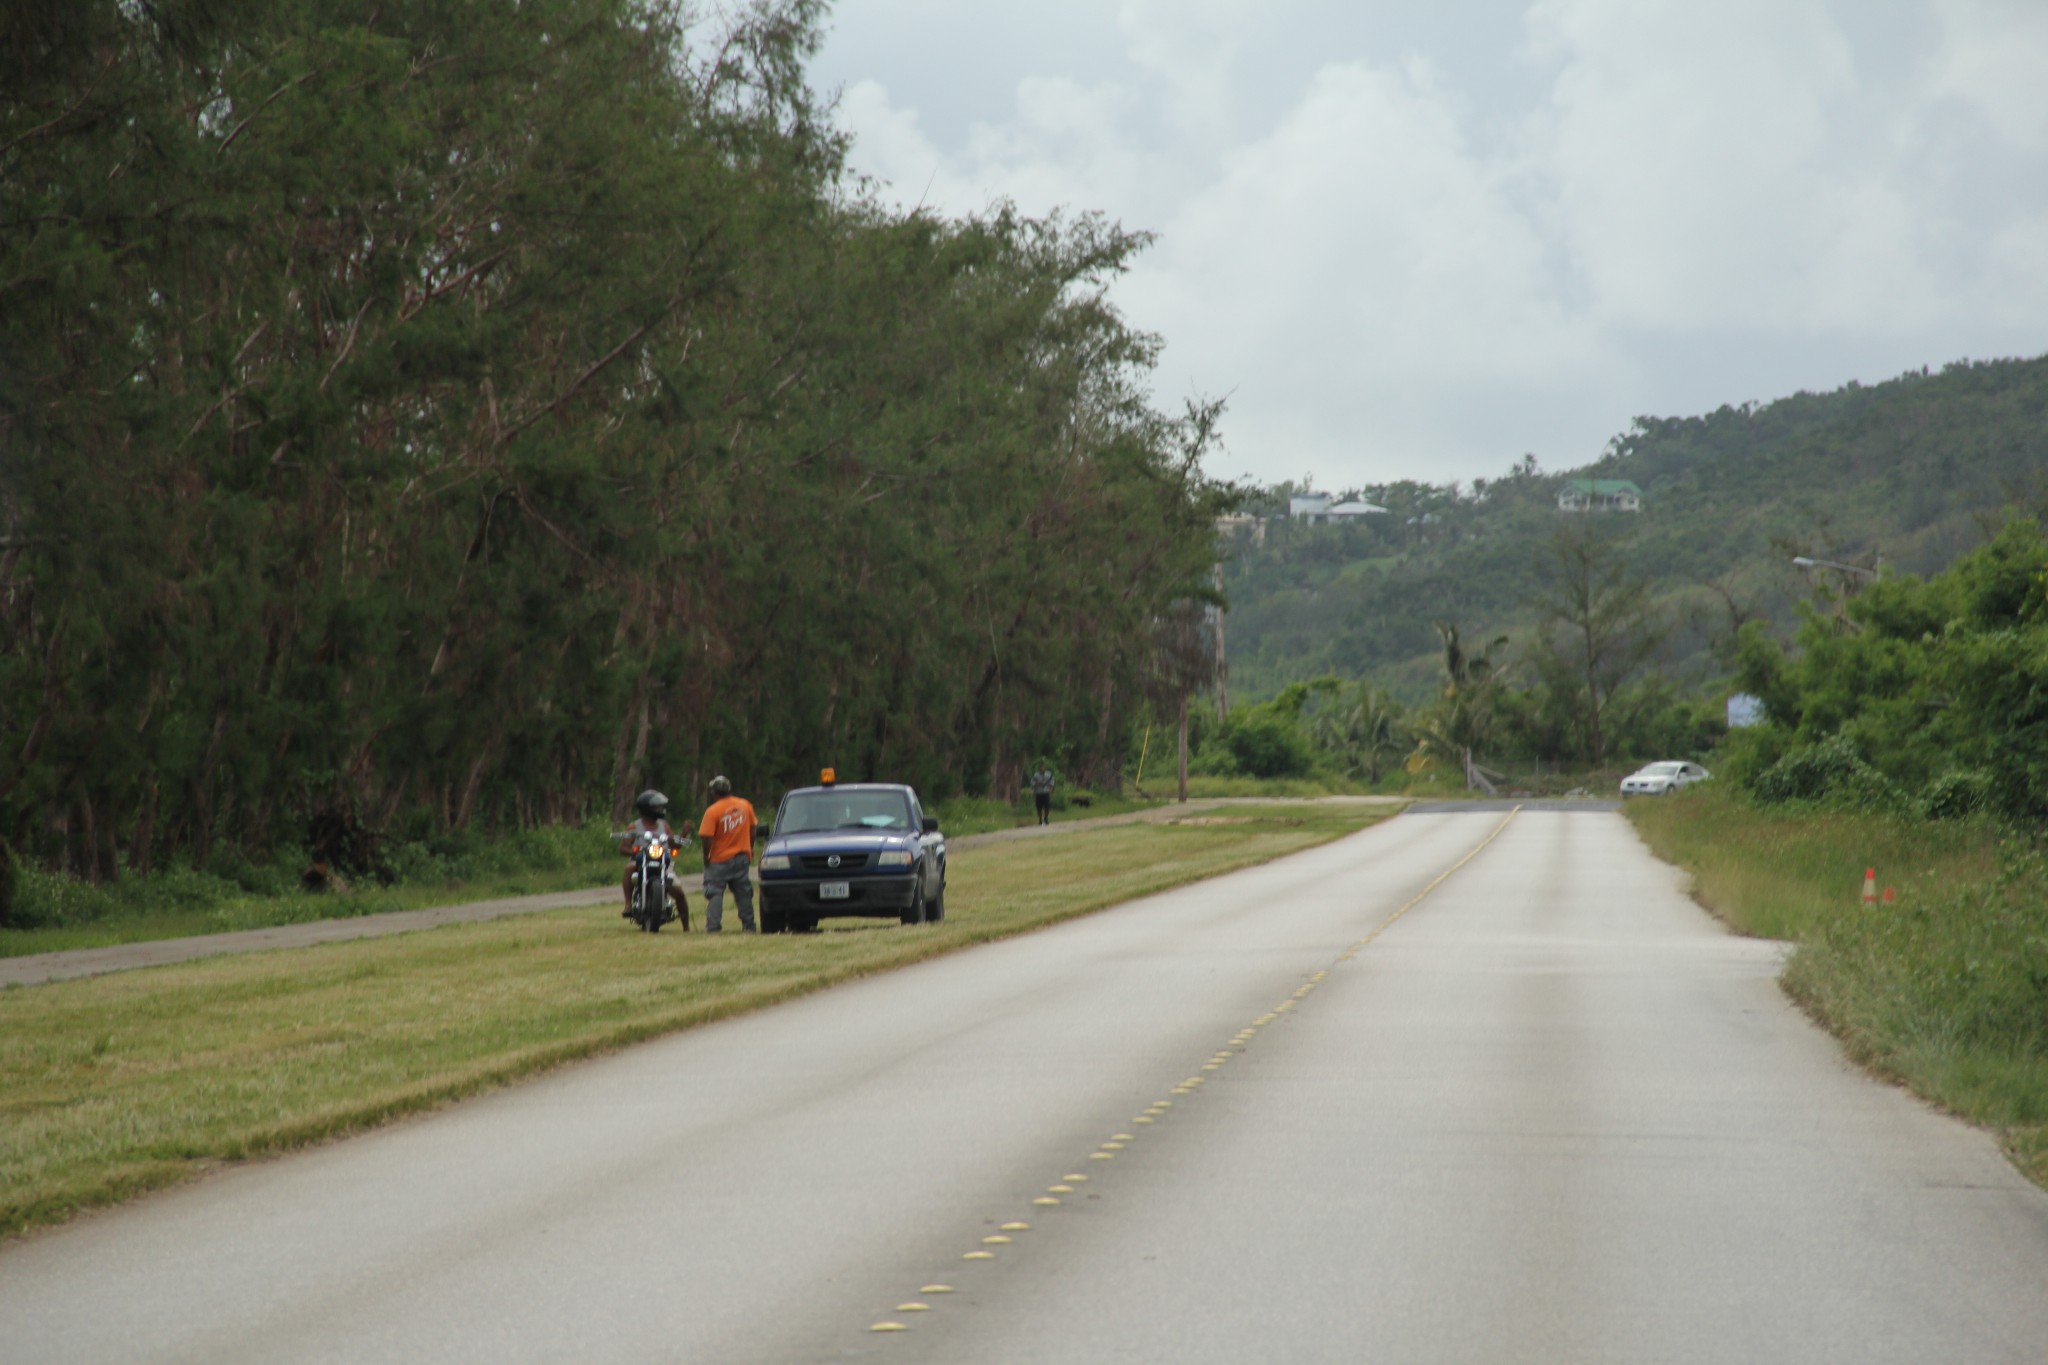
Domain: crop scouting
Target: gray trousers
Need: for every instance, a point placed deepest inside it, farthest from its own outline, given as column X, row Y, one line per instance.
column 717, row 877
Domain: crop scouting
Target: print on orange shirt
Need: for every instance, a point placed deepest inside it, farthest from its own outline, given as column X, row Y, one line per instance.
column 728, row 829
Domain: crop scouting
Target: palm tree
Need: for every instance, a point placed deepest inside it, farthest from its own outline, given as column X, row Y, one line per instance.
column 1463, row 717
column 1364, row 734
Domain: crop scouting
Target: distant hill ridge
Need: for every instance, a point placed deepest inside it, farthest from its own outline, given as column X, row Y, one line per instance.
column 1904, row 474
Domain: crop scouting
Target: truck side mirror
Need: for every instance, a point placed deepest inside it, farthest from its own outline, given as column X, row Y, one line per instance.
column 931, row 824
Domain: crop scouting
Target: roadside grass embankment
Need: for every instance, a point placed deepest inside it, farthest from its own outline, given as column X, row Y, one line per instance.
column 63, row 913
column 114, row 1085
column 1944, row 988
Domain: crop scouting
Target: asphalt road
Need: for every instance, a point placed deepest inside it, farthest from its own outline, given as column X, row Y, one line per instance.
column 1548, row 1112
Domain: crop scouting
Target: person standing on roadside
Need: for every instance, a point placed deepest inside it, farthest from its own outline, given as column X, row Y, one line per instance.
column 1041, row 791
column 728, row 830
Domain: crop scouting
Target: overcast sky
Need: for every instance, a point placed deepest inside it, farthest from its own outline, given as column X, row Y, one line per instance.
column 1417, row 240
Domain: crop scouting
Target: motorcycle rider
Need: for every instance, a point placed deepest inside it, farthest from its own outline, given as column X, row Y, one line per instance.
column 653, row 809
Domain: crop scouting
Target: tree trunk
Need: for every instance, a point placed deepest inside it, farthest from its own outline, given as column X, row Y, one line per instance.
column 202, row 791
column 140, row 852
column 1222, row 665
column 473, row 785
column 1183, row 747
column 627, row 766
column 106, row 863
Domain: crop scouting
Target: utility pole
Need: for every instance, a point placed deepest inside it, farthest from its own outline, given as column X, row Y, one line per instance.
column 1222, row 664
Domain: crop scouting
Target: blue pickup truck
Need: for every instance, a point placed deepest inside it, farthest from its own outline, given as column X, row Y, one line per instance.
column 852, row 849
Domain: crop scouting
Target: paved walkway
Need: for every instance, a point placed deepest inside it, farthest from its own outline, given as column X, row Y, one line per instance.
column 37, row 968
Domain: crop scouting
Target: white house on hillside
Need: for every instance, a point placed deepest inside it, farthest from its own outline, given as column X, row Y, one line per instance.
column 1320, row 509
column 1600, row 495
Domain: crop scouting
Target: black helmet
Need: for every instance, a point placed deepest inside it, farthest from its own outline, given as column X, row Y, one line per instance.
column 721, row 786
column 651, row 804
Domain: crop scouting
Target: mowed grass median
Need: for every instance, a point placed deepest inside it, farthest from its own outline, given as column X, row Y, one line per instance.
column 115, row 1085
column 1943, row 987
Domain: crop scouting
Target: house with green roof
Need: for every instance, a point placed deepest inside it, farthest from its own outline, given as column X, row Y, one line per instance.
column 1600, row 495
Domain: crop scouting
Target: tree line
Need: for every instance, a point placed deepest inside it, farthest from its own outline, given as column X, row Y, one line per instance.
column 1923, row 696
column 416, row 414
column 1911, row 695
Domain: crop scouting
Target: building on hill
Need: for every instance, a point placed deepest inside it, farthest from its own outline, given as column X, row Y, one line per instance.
column 1320, row 509
column 1247, row 524
column 1600, row 495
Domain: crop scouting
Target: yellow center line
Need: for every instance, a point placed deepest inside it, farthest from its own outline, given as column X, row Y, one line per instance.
column 1442, row 877
column 1108, row 1150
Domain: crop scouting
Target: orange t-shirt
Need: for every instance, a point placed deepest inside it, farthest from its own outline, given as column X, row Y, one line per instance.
column 727, row 829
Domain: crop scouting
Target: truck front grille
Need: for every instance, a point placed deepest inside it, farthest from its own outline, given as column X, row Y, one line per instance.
column 820, row 862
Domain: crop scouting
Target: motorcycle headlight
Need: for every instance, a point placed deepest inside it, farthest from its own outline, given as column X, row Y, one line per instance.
column 894, row 857
column 775, row 862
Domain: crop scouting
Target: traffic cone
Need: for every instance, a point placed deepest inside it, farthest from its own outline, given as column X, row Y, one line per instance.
column 1870, row 886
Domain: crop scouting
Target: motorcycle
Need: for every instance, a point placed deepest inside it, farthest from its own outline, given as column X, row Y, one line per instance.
column 654, row 855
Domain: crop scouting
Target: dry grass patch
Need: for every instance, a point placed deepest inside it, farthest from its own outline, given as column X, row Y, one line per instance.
column 118, row 1084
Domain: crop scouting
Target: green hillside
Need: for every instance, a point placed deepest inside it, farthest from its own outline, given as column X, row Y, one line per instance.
column 1902, row 476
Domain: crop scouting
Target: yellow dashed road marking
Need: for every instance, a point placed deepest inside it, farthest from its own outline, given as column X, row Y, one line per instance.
column 1191, row 1084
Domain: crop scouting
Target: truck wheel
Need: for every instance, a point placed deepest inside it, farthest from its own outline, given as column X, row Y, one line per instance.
column 772, row 921
column 915, row 914
column 936, row 911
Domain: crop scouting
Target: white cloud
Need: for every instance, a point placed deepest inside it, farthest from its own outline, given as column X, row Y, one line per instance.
column 1993, row 57
column 1361, row 258
column 2017, row 259
column 1418, row 241
column 1709, row 171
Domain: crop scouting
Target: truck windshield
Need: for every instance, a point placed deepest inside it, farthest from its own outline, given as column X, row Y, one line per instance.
column 843, row 810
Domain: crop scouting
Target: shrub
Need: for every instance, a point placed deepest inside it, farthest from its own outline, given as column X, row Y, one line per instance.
column 50, row 900
column 1267, row 746
column 1831, row 772
column 1956, row 794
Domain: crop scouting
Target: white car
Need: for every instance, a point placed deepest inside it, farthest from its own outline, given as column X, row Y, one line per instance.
column 1661, row 779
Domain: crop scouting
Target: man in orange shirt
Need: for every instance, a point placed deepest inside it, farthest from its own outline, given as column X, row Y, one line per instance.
column 728, row 830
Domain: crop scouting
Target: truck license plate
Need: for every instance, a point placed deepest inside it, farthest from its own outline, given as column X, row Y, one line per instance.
column 832, row 891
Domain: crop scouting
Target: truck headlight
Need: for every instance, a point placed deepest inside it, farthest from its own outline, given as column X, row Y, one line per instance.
column 775, row 862
column 894, row 857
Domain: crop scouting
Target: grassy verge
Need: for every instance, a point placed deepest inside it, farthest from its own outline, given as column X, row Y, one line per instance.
column 1298, row 788
column 965, row 815
column 114, row 1085
column 182, row 903
column 230, row 911
column 1943, row 988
